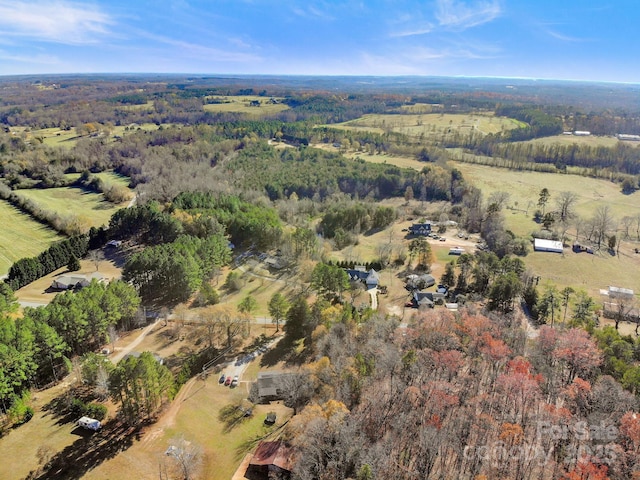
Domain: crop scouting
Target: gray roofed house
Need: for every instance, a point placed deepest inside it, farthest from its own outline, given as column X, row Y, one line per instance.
column 270, row 385
column 371, row 278
column 76, row 280
column 428, row 299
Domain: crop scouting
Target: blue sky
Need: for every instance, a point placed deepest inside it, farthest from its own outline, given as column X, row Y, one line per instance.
column 554, row 39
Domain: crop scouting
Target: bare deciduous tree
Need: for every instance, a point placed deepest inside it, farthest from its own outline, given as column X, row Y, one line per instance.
column 96, row 256
column 186, row 455
column 565, row 204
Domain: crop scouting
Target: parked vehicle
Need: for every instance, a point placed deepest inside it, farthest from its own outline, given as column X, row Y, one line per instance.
column 227, row 382
column 90, row 424
column 222, row 378
column 234, row 382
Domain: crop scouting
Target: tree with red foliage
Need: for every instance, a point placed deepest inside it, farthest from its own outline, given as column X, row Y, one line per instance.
column 579, row 352
column 587, row 471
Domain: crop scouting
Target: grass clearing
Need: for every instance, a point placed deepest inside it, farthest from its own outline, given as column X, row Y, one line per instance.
column 113, row 178
column 243, row 104
column 524, row 189
column 90, row 208
column 431, row 126
column 590, row 141
column 197, row 420
column 21, row 237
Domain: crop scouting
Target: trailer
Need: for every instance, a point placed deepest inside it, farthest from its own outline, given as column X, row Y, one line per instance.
column 90, row 423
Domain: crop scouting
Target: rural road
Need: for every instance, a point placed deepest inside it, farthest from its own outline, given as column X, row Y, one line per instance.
column 126, row 350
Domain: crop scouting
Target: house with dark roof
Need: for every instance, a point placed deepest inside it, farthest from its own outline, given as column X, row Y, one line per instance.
column 420, row 229
column 371, row 278
column 270, row 385
column 426, row 299
column 270, row 460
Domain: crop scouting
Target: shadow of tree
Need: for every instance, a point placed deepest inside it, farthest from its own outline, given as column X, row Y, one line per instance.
column 87, row 452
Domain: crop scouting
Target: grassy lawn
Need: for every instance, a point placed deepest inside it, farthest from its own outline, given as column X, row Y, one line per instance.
column 197, row 419
column 89, row 207
column 21, row 237
column 43, row 431
column 241, row 104
column 112, row 178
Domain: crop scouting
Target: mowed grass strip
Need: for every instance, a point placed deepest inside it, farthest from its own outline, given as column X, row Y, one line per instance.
column 21, row 236
column 89, row 207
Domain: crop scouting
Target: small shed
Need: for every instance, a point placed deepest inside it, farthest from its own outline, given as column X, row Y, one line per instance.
column 271, row 459
column 543, row 245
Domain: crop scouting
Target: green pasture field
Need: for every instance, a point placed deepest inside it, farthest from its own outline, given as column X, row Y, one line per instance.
column 431, row 126
column 21, row 236
column 91, row 208
column 112, row 178
column 240, row 104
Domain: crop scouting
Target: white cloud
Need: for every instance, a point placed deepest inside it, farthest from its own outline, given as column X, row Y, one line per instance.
column 563, row 37
column 462, row 14
column 421, row 29
column 202, row 51
column 54, row 21
column 38, row 59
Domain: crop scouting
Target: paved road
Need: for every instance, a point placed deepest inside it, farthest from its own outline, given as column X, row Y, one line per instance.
column 23, row 303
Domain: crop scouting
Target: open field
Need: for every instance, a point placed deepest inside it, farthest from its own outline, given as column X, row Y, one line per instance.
column 89, row 207
column 241, row 104
column 431, row 126
column 591, row 141
column 112, row 178
column 43, row 432
column 21, row 236
column 196, row 420
column 524, row 189
column 586, row 271
column 56, row 137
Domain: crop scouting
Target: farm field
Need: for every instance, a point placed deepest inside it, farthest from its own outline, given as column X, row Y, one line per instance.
column 56, row 137
column 91, row 209
column 431, row 126
column 524, row 187
column 591, row 141
column 22, row 236
column 241, row 104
